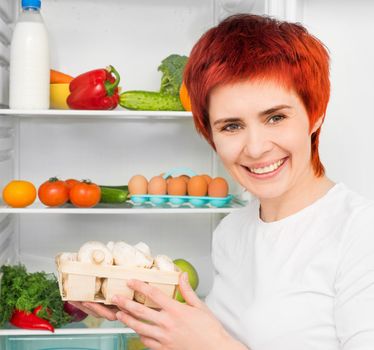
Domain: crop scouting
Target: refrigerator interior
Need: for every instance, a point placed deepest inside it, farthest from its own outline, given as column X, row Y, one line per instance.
column 110, row 147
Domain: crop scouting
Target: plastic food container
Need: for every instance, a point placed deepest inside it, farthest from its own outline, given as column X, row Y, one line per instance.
column 67, row 342
column 195, row 201
column 179, row 200
column 78, row 281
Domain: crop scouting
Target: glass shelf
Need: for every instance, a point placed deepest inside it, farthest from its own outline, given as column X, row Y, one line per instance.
column 125, row 208
column 94, row 114
column 88, row 326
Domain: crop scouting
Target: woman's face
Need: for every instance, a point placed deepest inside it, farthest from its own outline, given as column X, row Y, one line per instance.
column 261, row 133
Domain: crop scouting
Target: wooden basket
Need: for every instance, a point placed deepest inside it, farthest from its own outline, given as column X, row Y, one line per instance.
column 77, row 281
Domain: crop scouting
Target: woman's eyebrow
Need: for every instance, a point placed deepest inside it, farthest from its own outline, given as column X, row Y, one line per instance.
column 226, row 120
column 262, row 113
column 273, row 109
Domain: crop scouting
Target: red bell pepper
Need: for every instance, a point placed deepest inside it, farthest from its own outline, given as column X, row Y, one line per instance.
column 96, row 89
column 28, row 320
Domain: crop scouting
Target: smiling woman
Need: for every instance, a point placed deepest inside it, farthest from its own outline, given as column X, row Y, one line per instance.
column 293, row 269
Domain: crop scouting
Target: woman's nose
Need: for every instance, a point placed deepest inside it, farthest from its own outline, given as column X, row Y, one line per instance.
column 257, row 143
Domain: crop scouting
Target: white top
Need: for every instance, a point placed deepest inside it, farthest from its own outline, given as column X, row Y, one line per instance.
column 305, row 282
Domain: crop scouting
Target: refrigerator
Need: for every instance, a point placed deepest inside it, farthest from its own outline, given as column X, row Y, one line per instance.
column 109, row 147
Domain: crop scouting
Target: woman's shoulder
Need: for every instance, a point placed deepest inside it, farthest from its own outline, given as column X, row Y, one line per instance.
column 354, row 214
column 350, row 202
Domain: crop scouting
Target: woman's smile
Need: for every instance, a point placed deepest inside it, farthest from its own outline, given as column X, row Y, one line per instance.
column 267, row 168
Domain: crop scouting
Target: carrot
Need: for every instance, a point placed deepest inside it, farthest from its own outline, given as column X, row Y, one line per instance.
column 57, row 77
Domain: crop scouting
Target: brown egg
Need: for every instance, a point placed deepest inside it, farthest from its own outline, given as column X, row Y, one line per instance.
column 186, row 178
column 218, row 187
column 177, row 186
column 157, row 185
column 207, row 178
column 197, row 186
column 168, row 180
column 138, row 185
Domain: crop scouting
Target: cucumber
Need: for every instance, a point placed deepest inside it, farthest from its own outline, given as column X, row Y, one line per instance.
column 150, row 101
column 113, row 195
column 119, row 187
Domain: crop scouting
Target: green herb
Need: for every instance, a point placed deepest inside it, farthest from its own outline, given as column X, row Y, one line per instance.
column 26, row 291
column 172, row 73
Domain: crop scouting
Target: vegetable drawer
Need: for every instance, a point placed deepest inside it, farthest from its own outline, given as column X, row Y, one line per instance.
column 67, row 342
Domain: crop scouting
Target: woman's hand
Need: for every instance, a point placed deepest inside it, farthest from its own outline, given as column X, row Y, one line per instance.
column 97, row 310
column 176, row 326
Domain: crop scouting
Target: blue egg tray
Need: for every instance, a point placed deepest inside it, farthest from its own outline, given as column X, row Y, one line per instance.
column 179, row 200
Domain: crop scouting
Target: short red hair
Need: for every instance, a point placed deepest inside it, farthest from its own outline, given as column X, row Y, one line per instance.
column 248, row 46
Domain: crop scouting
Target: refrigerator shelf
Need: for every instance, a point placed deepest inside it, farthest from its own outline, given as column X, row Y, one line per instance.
column 125, row 208
column 69, row 331
column 112, row 114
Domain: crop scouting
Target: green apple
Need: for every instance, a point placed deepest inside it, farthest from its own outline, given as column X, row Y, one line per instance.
column 193, row 276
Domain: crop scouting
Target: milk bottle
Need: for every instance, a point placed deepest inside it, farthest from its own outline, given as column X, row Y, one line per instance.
column 29, row 60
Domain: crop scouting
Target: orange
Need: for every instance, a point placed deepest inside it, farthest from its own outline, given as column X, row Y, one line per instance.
column 19, row 194
column 185, row 97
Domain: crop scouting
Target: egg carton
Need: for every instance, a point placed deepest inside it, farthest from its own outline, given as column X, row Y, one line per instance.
column 79, row 281
column 196, row 201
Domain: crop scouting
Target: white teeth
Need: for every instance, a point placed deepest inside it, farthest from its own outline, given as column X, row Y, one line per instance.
column 267, row 169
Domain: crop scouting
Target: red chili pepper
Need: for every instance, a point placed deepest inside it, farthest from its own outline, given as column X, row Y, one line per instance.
column 96, row 89
column 40, row 308
column 28, row 320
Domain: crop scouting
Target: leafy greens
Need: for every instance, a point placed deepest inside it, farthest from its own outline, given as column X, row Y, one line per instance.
column 172, row 73
column 26, row 291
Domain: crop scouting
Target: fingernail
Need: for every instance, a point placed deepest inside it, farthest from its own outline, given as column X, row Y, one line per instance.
column 115, row 299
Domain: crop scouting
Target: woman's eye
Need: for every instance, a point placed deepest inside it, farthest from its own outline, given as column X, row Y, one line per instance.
column 231, row 127
column 275, row 119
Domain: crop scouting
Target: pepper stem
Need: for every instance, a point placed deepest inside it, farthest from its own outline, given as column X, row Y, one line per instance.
column 110, row 87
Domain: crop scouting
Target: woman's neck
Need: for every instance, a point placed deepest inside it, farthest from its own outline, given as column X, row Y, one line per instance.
column 297, row 198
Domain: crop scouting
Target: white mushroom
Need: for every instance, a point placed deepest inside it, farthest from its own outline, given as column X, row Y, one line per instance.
column 67, row 256
column 143, row 248
column 95, row 252
column 126, row 255
column 164, row 263
column 110, row 245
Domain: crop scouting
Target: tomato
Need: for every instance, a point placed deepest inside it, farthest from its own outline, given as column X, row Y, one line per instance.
column 19, row 193
column 53, row 192
column 85, row 194
column 70, row 183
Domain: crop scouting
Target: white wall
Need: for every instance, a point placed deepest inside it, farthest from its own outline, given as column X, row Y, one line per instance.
column 347, row 143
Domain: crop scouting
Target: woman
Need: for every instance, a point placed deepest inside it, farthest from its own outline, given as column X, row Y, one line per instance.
column 295, row 268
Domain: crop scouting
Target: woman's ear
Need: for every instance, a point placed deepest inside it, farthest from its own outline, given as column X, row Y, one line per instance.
column 317, row 124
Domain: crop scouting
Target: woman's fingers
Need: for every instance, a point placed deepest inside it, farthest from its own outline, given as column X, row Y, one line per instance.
column 153, row 293
column 187, row 292
column 101, row 311
column 80, row 306
column 142, row 328
column 137, row 309
column 150, row 343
